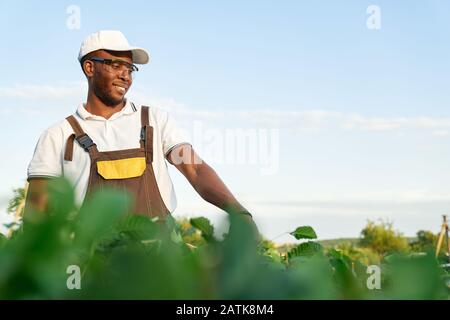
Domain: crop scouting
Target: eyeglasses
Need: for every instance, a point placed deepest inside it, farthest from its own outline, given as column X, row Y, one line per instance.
column 117, row 66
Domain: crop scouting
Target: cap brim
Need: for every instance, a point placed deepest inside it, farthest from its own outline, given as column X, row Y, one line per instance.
column 140, row 56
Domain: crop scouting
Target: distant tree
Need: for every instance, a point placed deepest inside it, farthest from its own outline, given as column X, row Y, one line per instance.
column 382, row 238
column 426, row 241
column 16, row 207
column 16, row 202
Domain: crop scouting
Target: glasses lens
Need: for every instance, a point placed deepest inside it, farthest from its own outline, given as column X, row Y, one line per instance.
column 118, row 67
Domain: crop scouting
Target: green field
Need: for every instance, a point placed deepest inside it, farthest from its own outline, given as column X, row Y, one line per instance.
column 98, row 252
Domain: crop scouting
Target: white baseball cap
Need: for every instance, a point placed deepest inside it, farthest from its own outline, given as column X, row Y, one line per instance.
column 112, row 40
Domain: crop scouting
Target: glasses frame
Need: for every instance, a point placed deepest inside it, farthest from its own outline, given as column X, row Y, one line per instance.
column 132, row 69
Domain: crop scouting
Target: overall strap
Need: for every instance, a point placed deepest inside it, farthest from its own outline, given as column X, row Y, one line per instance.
column 82, row 138
column 146, row 135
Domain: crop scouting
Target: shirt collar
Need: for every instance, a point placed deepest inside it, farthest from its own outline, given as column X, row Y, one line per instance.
column 129, row 108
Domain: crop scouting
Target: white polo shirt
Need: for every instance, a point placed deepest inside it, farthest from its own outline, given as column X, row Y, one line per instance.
column 120, row 131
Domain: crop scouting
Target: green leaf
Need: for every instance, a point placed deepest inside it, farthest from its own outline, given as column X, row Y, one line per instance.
column 3, row 239
column 176, row 237
column 61, row 198
column 171, row 223
column 203, row 224
column 417, row 278
column 333, row 253
column 304, row 232
column 309, row 248
column 137, row 226
column 100, row 215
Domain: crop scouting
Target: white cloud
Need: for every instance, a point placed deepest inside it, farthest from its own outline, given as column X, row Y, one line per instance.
column 441, row 133
column 355, row 121
column 381, row 197
column 44, row 92
column 303, row 121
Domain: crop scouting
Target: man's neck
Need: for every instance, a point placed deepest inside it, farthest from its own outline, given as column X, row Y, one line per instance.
column 96, row 107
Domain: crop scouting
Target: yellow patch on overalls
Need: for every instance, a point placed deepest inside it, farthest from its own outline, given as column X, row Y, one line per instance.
column 122, row 168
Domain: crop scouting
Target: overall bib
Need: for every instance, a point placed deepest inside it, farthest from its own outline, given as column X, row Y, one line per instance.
column 129, row 170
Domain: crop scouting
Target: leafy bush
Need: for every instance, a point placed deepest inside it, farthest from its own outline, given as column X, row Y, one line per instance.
column 364, row 255
column 382, row 238
column 426, row 241
column 134, row 257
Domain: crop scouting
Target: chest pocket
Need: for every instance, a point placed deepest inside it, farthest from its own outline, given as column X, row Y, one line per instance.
column 122, row 168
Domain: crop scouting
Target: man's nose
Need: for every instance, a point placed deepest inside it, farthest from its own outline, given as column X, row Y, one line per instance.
column 125, row 75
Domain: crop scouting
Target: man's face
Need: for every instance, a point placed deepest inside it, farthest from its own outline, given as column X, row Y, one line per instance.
column 109, row 85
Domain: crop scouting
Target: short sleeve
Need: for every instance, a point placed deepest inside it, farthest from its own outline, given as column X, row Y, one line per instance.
column 46, row 160
column 171, row 134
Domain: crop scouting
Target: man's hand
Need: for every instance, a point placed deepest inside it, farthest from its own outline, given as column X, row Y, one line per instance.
column 249, row 219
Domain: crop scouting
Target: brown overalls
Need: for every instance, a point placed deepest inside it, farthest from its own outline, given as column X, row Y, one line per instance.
column 129, row 169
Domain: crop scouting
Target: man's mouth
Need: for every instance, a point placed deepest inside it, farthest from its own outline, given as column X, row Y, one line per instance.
column 121, row 89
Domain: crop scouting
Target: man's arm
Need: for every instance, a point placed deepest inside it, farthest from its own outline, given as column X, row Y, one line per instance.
column 204, row 179
column 37, row 196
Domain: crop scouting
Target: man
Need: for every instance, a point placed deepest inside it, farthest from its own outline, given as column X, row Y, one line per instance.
column 110, row 141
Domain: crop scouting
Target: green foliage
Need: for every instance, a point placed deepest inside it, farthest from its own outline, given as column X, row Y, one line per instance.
column 190, row 235
column 365, row 256
column 382, row 238
column 2, row 240
column 419, row 277
column 426, row 241
column 304, row 232
column 309, row 248
column 134, row 257
column 16, row 200
column 205, row 227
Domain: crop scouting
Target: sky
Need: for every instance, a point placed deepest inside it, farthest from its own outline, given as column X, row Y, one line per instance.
column 313, row 113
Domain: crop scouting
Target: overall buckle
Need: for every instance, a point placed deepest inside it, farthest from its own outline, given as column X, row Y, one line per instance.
column 144, row 133
column 85, row 141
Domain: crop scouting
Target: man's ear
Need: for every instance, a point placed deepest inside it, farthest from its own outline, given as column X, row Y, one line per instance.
column 88, row 68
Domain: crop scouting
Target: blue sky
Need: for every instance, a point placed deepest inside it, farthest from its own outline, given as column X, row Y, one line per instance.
column 362, row 115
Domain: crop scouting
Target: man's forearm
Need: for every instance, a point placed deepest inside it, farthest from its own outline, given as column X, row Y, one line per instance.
column 204, row 179
column 212, row 189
